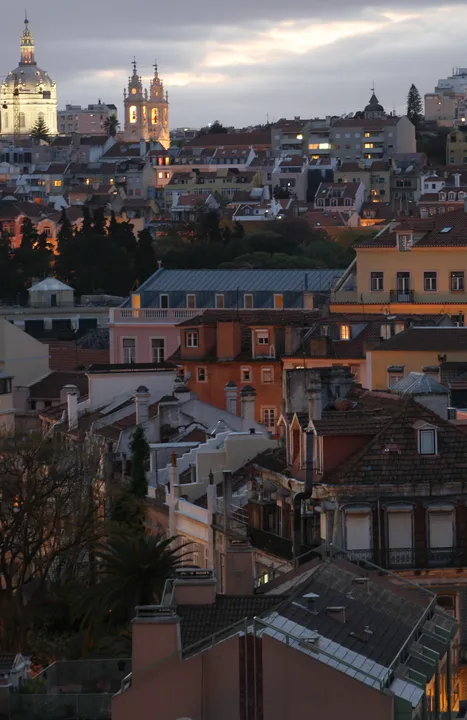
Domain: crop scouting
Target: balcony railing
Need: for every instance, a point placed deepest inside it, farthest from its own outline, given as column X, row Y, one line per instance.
column 401, row 296
column 414, row 558
column 142, row 315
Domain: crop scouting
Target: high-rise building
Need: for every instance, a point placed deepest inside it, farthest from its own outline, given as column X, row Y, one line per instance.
column 146, row 113
column 28, row 94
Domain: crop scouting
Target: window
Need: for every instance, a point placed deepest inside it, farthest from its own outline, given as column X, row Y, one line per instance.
column 129, row 350
column 220, row 302
column 267, row 375
column 245, row 374
column 157, row 350
column 58, row 183
column 191, row 301
column 191, row 339
column 395, row 373
column 427, row 441
column 22, row 120
column 430, row 281
column 133, row 114
column 403, row 282
column 201, row 374
column 262, row 337
column 357, row 528
column 404, row 242
column 345, row 332
column 377, row 281
column 441, row 526
column 164, row 301
column 268, row 417
column 154, row 116
column 400, row 530
column 278, row 302
column 5, row 387
column 248, row 302
column 324, row 330
column 457, row 281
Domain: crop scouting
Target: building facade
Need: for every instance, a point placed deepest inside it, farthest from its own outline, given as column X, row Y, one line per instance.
column 146, row 113
column 85, row 121
column 28, row 94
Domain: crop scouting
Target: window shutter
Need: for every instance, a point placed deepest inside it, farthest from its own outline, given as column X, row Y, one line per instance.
column 357, row 531
column 399, row 530
column 441, row 529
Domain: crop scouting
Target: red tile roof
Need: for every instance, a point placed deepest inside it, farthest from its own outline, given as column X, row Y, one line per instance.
column 263, row 139
column 49, row 388
column 67, row 356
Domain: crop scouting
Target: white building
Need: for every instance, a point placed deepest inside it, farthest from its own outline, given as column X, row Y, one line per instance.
column 28, row 94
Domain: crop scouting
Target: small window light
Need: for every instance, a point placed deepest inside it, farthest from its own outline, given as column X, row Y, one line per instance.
column 446, row 229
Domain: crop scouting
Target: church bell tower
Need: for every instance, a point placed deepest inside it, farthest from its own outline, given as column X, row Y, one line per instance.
column 146, row 114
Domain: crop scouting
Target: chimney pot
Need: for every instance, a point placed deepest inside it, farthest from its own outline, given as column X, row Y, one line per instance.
column 142, row 397
column 72, row 406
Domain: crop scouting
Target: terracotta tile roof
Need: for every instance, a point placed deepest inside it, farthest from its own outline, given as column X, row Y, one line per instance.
column 387, row 237
column 290, row 125
column 191, row 200
column 392, row 455
column 435, row 339
column 296, row 161
column 319, row 218
column 254, row 317
column 130, row 420
column 49, row 387
column 67, row 356
column 232, row 151
column 231, row 139
column 124, row 149
column 370, row 124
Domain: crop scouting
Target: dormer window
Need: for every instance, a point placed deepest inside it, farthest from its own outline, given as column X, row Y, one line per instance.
column 451, row 196
column 404, row 241
column 345, row 333
column 442, row 196
column 428, row 440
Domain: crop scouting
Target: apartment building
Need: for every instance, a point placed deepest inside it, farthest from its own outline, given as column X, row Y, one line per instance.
column 442, row 194
column 374, row 174
column 456, row 147
column 85, row 121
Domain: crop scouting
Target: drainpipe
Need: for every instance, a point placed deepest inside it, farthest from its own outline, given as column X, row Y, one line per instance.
column 297, row 501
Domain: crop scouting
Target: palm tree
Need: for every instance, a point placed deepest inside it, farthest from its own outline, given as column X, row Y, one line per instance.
column 111, row 125
column 40, row 130
column 133, row 570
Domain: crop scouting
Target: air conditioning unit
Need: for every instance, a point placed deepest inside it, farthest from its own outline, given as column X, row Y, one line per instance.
column 452, row 413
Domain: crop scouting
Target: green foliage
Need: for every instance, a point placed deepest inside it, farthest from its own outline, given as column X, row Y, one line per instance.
column 128, row 512
column 139, row 460
column 133, row 570
column 414, row 105
column 433, row 144
column 40, row 130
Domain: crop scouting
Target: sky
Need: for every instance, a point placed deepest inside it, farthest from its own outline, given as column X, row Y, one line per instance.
column 243, row 62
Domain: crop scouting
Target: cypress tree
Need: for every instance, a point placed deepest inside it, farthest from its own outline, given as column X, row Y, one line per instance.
column 139, row 458
column 414, row 105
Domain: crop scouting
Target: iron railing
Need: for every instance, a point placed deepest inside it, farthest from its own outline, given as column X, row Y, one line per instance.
column 401, row 296
column 415, row 558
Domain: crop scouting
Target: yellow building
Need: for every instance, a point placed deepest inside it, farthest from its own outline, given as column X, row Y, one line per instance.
column 416, row 266
column 418, row 349
column 375, row 176
column 456, row 148
column 223, row 181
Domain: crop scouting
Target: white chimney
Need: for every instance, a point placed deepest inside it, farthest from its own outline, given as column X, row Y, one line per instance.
column 64, row 392
column 247, row 401
column 457, row 179
column 231, row 396
column 315, row 404
column 72, row 406
column 142, row 396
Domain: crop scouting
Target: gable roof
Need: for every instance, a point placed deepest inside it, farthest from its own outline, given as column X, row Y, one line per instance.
column 440, row 339
column 433, row 232
column 49, row 388
column 418, row 383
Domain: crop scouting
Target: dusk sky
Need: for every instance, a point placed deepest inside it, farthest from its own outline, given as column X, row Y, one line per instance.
column 241, row 61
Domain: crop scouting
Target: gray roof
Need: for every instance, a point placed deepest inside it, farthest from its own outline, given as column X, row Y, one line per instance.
column 417, row 383
column 50, row 284
column 242, row 280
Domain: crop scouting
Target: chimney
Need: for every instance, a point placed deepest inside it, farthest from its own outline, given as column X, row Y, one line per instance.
column 314, row 397
column 155, row 637
column 142, row 148
column 231, row 398
column 72, row 406
column 142, row 397
column 239, row 573
column 457, row 180
column 194, row 586
column 181, row 390
column 228, row 340
column 247, row 401
column 227, row 496
column 64, row 392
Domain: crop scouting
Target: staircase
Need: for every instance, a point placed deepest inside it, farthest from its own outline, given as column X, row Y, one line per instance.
column 189, row 458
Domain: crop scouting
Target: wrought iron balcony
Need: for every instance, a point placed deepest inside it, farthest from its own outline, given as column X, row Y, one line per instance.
column 411, row 558
column 401, row 296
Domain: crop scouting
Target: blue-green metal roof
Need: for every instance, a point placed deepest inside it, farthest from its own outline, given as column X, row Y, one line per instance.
column 241, row 280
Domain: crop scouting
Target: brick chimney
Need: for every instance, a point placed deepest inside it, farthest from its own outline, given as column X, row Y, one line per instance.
column 229, row 340
column 239, row 571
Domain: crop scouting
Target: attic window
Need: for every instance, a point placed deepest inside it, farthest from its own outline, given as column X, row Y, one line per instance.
column 427, row 441
column 446, row 229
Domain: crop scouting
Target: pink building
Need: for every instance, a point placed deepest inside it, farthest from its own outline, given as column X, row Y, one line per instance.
column 85, row 121
column 329, row 640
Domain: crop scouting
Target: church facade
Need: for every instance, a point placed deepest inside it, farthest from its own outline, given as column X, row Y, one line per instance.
column 28, row 94
column 146, row 113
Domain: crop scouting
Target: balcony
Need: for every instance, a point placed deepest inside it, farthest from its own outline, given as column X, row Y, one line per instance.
column 411, row 558
column 401, row 296
column 155, row 315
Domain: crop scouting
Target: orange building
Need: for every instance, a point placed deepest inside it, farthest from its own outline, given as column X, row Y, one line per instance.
column 233, row 360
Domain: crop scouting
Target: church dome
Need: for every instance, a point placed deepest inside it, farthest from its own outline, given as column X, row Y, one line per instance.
column 30, row 79
column 373, row 105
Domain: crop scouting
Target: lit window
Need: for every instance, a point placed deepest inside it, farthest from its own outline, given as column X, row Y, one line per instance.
column 245, row 374
column 267, row 376
column 154, row 116
column 191, row 301
column 268, row 417
column 201, row 374
column 133, row 91
column 220, row 302
column 300, row 137
column 191, row 338
column 57, row 183
column 427, row 441
column 160, row 175
column 157, row 350
column 369, row 146
column 345, row 332
column 129, row 350
column 377, row 281
column 145, row 114
column 278, row 302
column 133, row 114
column 262, row 337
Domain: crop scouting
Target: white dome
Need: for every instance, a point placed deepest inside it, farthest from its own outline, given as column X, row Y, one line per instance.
column 30, row 78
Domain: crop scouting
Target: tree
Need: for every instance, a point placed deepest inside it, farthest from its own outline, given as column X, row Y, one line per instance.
column 40, row 130
column 281, row 193
column 139, row 459
column 49, row 523
column 133, row 571
column 111, row 125
column 33, row 258
column 414, row 105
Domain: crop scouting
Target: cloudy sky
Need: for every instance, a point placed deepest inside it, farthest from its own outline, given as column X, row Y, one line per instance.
column 243, row 60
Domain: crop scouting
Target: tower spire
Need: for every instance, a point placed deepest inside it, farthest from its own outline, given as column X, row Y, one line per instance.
column 155, row 67
column 134, row 66
column 27, row 44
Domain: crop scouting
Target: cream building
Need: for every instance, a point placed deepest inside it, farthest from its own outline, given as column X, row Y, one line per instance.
column 27, row 94
column 146, row 113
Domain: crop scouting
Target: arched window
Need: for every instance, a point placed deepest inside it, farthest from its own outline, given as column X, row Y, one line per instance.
column 154, row 116
column 145, row 114
column 133, row 114
column 22, row 120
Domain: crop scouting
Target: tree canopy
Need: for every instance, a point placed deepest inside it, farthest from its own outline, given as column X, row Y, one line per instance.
column 414, row 105
column 40, row 130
